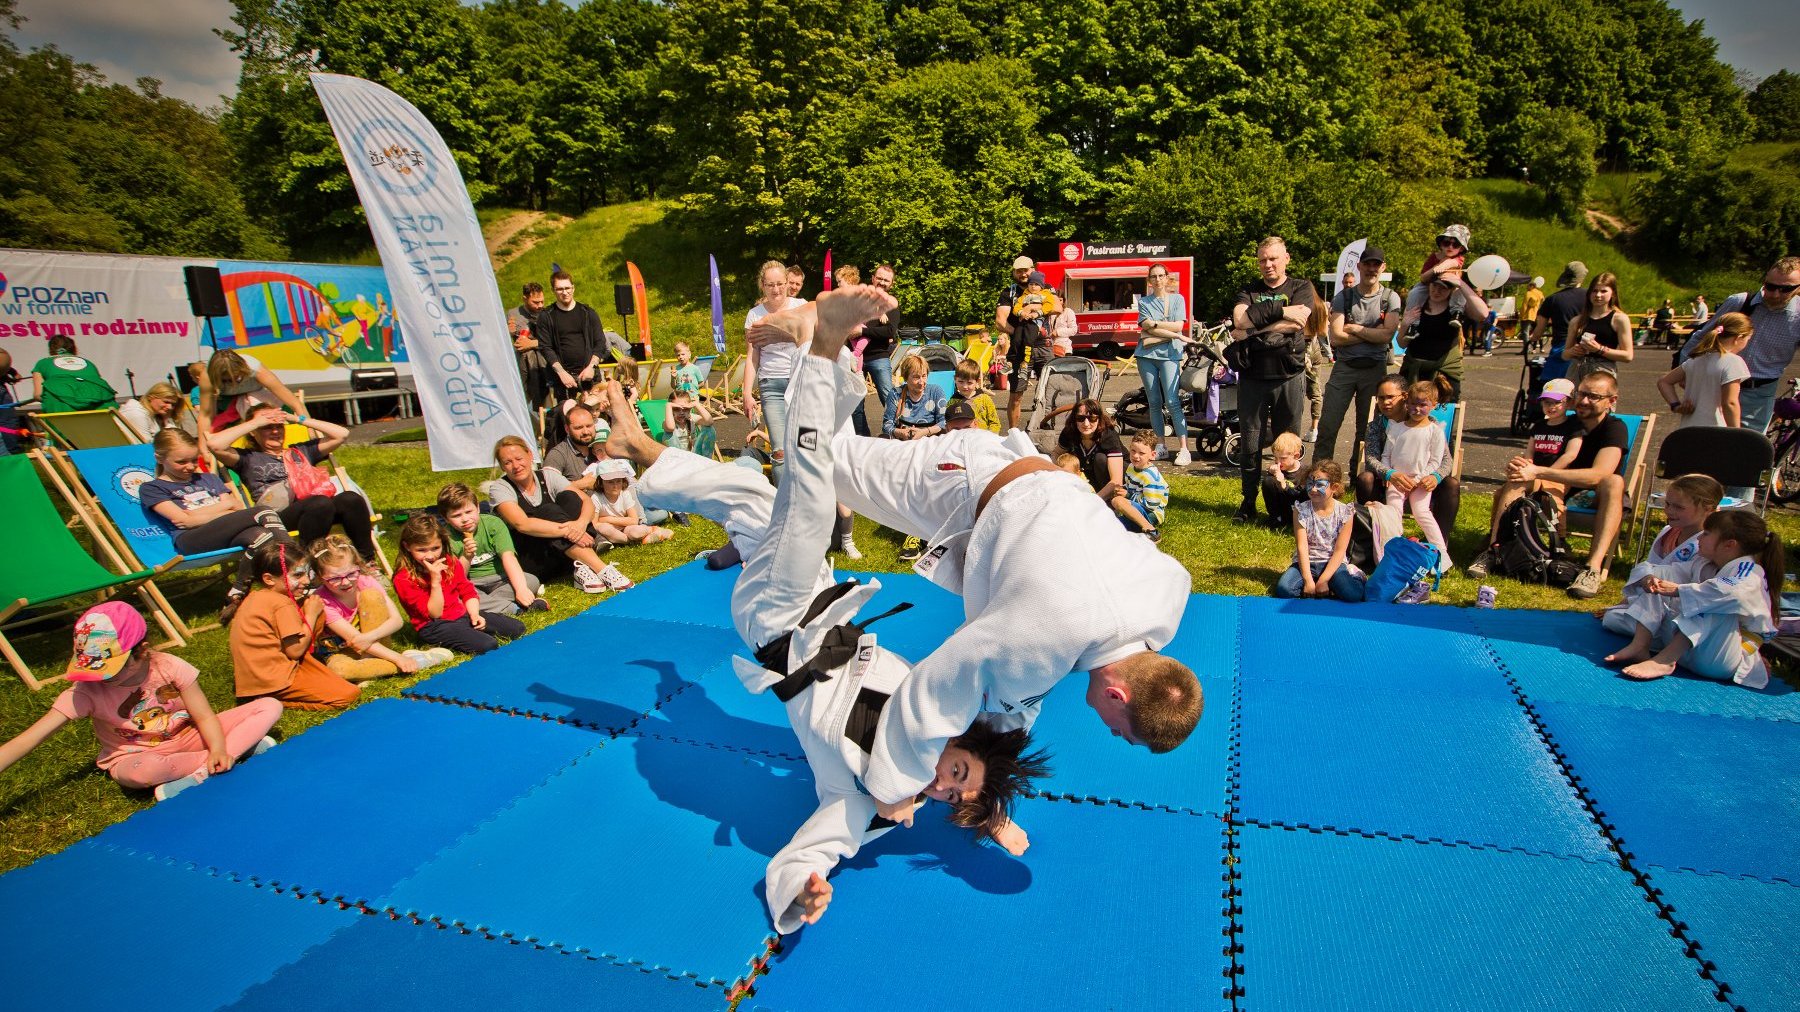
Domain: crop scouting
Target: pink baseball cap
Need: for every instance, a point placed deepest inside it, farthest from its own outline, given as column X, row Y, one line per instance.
column 105, row 635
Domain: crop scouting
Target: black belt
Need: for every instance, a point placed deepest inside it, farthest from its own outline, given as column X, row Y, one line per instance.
column 1756, row 383
column 838, row 648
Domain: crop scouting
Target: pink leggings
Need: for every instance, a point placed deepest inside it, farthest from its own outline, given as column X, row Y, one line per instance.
column 185, row 753
column 1420, row 501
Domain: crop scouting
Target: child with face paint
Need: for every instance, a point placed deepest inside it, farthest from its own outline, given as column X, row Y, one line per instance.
column 153, row 723
column 1322, row 528
column 1413, row 449
column 274, row 632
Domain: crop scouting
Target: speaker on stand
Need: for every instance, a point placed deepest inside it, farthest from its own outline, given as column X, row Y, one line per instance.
column 206, row 296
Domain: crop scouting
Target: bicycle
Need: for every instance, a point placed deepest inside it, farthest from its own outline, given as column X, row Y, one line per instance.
column 1784, row 433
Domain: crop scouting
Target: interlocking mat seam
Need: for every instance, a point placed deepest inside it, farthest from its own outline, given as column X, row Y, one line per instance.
column 1234, row 946
column 1377, row 834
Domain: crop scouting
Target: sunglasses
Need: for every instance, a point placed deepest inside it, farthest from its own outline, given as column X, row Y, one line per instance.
column 1087, row 418
column 1775, row 289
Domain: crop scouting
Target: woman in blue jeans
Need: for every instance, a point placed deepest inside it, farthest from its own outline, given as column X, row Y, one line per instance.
column 767, row 370
column 1162, row 317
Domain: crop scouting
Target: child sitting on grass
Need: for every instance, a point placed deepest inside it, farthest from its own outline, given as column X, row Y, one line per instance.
column 274, row 631
column 619, row 518
column 1322, row 527
column 443, row 605
column 485, row 544
column 1720, row 624
column 1281, row 487
column 1146, row 494
column 968, row 388
column 1674, row 556
column 359, row 615
column 153, row 723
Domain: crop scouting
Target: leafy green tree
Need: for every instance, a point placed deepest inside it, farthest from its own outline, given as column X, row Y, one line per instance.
column 1562, row 143
column 1717, row 213
column 1775, row 105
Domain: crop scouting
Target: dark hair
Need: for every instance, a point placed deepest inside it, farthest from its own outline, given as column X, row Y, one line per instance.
column 1010, row 772
column 421, row 529
column 1393, row 378
column 1753, row 535
column 1070, row 437
column 275, row 558
column 556, row 276
column 532, row 288
column 62, row 344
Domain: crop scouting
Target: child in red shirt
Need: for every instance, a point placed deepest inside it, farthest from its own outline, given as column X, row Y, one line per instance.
column 443, row 605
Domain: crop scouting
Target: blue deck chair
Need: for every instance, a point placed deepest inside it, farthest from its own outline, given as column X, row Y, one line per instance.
column 1638, row 431
column 1450, row 416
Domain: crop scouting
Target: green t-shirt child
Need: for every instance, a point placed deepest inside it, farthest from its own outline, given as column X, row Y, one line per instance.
column 492, row 539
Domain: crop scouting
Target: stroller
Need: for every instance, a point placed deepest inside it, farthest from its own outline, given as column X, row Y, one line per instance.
column 1208, row 392
column 1064, row 381
column 1525, row 409
column 941, row 358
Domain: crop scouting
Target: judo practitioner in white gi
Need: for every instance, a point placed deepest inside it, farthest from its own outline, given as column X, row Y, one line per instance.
column 1720, row 624
column 1051, row 583
column 833, row 677
column 1649, row 619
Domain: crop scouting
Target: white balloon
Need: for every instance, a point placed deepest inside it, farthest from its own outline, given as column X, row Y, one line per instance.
column 1489, row 272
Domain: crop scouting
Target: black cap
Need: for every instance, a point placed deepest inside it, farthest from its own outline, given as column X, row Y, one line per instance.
column 959, row 411
column 1373, row 253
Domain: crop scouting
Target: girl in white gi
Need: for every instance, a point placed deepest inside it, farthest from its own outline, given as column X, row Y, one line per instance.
column 1674, row 557
column 1720, row 624
column 1415, row 449
column 798, row 621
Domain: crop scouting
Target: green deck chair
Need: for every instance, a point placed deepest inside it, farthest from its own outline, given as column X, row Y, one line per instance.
column 45, row 565
column 87, row 430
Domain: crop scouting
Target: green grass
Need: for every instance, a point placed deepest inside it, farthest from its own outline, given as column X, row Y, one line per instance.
column 412, row 435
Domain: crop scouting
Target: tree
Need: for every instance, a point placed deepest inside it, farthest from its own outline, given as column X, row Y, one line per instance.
column 1562, row 143
column 1775, row 106
column 1718, row 213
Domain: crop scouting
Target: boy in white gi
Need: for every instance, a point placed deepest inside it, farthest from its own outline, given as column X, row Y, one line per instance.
column 1721, row 623
column 789, row 610
column 1051, row 583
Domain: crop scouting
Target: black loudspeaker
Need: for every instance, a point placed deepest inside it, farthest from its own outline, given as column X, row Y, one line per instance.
column 206, row 296
column 622, row 303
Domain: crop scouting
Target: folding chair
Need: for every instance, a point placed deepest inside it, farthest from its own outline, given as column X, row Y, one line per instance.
column 1736, row 458
column 1581, row 517
column 45, row 564
column 84, row 430
column 653, row 413
column 661, row 378
column 718, row 384
column 1451, row 417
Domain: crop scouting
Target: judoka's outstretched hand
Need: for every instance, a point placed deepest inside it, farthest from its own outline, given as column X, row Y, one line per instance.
column 900, row 812
column 814, row 899
column 1012, row 837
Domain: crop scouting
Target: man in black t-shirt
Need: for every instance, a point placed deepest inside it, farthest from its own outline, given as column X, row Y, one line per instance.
column 1592, row 459
column 882, row 333
column 1019, row 376
column 1270, row 317
column 569, row 333
column 1554, row 315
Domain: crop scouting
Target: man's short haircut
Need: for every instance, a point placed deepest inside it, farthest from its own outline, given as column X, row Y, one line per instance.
column 1272, row 240
column 455, row 496
column 795, row 271
column 883, row 267
column 1166, row 701
column 572, row 409
column 561, row 276
column 1144, row 438
column 1786, row 265
column 532, row 288
column 1606, row 374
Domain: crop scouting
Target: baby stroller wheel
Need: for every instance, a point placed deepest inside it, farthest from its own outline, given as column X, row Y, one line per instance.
column 1230, row 449
column 1521, row 411
column 1210, row 441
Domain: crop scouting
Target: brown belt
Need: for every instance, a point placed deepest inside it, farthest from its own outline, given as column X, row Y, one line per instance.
column 1017, row 469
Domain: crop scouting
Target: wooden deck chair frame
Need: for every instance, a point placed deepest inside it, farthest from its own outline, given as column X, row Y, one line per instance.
column 661, row 379
column 137, row 580
column 82, row 430
column 1635, row 469
column 721, row 392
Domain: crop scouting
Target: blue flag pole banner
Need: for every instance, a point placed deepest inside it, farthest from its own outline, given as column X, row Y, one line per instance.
column 445, row 296
column 718, row 305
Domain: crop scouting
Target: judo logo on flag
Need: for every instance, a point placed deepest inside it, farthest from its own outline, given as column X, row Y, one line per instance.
column 809, row 438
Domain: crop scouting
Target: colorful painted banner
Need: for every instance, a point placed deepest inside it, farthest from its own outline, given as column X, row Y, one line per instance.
column 718, row 305
column 436, row 260
column 641, row 302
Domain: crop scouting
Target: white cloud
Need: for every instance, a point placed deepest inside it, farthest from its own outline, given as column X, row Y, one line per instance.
column 171, row 40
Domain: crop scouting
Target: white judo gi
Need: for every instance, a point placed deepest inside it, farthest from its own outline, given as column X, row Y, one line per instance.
column 1051, row 583
column 783, row 537
column 1727, row 618
column 1656, row 612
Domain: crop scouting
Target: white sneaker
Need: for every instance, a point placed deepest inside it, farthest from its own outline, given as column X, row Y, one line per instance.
column 1184, row 458
column 266, row 744
column 166, row 791
column 1313, row 436
column 1162, row 453
column 430, row 657
column 589, row 581
column 848, row 547
column 615, row 580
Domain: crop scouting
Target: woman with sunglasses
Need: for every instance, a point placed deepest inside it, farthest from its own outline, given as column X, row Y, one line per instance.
column 1090, row 437
column 1432, row 333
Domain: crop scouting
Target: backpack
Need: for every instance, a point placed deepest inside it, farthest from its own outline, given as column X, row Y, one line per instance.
column 1531, row 549
column 1404, row 562
column 1374, row 525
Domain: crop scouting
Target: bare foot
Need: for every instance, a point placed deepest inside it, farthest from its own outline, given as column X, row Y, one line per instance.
column 626, row 437
column 1648, row 671
column 841, row 311
column 1629, row 655
column 790, row 326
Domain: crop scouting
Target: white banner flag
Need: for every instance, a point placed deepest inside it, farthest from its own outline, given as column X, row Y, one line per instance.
column 431, row 247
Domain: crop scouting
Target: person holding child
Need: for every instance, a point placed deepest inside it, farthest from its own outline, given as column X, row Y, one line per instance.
column 1416, row 458
column 1145, row 496
column 1712, row 377
column 1674, row 557
column 485, row 544
column 289, row 480
column 551, row 520
column 154, row 725
column 359, row 617
column 1720, row 623
column 1371, row 481
column 1322, row 528
column 1089, row 436
column 275, row 632
column 434, row 588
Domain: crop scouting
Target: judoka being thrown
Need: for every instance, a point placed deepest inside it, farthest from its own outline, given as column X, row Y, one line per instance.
column 798, row 621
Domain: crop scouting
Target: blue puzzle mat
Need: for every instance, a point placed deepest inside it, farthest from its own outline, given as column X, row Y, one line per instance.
column 690, row 593
column 214, row 937
column 381, row 963
column 1745, row 928
column 1452, row 768
column 1557, row 657
column 1163, row 874
column 595, row 670
column 1088, row 762
column 717, row 710
column 356, row 804
column 1367, row 648
column 1334, row 922
column 1689, row 791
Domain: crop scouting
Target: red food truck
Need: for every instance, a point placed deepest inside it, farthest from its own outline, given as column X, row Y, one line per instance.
column 1103, row 281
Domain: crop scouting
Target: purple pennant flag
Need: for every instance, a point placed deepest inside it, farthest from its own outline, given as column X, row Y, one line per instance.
column 718, row 306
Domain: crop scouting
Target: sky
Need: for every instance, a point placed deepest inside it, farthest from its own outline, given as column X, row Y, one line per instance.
column 173, row 39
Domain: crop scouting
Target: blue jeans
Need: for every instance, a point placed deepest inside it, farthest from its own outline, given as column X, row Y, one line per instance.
column 1162, row 378
column 772, row 395
column 881, row 369
column 1345, row 585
